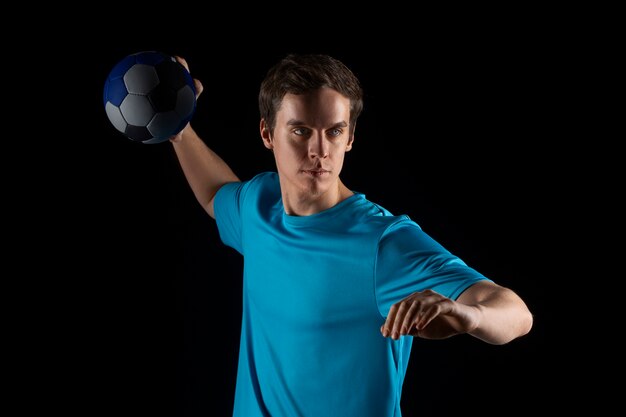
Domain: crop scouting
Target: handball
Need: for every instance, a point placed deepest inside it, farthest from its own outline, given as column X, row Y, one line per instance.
column 149, row 97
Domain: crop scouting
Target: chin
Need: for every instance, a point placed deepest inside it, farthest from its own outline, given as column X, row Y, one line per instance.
column 317, row 187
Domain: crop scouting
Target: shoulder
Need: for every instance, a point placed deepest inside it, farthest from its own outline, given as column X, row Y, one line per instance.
column 376, row 213
column 374, row 217
column 241, row 194
column 264, row 186
column 260, row 183
column 406, row 237
column 258, row 193
column 397, row 233
column 263, row 180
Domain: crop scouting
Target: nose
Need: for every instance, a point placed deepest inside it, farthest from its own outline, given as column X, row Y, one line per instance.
column 318, row 146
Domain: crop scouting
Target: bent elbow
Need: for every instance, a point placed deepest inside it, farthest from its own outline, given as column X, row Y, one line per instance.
column 527, row 323
column 524, row 325
column 520, row 327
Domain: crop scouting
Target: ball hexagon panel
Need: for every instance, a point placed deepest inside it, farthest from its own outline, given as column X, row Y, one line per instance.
column 137, row 110
column 141, row 79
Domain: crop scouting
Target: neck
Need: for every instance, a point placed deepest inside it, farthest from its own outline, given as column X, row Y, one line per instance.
column 306, row 203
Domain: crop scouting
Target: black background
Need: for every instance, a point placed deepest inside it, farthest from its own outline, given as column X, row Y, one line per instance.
column 458, row 131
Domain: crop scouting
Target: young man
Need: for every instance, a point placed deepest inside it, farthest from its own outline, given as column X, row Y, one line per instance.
column 334, row 284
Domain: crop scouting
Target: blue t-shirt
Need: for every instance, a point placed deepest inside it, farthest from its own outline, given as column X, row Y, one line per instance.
column 316, row 290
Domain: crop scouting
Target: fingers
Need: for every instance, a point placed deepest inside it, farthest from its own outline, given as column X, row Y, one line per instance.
column 402, row 315
column 182, row 61
column 199, row 87
column 427, row 316
column 388, row 325
column 196, row 82
column 412, row 314
column 402, row 318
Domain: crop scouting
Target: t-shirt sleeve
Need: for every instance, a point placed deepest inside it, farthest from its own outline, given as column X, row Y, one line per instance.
column 227, row 205
column 408, row 260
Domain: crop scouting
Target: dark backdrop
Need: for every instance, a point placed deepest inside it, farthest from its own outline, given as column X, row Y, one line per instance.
column 457, row 132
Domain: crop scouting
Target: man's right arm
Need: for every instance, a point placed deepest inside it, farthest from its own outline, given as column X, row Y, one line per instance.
column 205, row 171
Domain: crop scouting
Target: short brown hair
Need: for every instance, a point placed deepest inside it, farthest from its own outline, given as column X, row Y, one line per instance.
column 299, row 74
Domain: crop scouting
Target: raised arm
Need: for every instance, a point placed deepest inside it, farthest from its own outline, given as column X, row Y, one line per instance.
column 205, row 171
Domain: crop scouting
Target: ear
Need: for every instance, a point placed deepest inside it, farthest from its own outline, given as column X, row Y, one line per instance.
column 265, row 134
column 350, row 140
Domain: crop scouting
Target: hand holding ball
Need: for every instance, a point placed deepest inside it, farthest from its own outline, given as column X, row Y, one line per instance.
column 149, row 97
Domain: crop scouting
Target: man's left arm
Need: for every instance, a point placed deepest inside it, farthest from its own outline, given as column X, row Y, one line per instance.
column 488, row 311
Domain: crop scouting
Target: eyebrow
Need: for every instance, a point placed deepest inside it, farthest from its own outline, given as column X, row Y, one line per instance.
column 295, row 122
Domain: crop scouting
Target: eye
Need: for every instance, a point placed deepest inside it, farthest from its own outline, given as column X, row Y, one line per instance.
column 300, row 131
column 335, row 132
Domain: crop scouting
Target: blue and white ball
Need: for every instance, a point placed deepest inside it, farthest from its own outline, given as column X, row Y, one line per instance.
column 149, row 97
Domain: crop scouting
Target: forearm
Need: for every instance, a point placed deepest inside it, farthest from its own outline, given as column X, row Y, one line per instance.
column 205, row 171
column 502, row 315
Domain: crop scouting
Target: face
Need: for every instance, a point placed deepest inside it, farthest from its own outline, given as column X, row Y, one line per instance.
column 310, row 140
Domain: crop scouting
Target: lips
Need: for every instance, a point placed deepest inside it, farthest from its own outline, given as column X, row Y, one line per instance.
column 315, row 172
